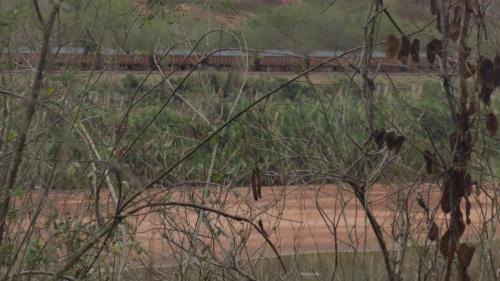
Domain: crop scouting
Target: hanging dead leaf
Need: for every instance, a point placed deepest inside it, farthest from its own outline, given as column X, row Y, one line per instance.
column 379, row 136
column 433, row 234
column 391, row 47
column 399, row 143
column 485, row 67
column 415, row 50
column 465, row 253
column 256, row 184
column 485, row 94
column 422, row 204
column 491, row 124
column 496, row 71
column 395, row 143
column 445, row 200
column 404, row 51
column 454, row 31
column 433, row 49
column 430, row 161
column 390, row 137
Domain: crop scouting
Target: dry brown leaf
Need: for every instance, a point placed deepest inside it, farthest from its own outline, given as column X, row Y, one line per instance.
column 379, row 136
column 404, row 51
column 465, row 253
column 485, row 67
column 433, row 234
column 433, row 49
column 496, row 71
column 389, row 140
column 422, row 204
column 399, row 143
column 391, row 47
column 491, row 124
column 486, row 78
column 485, row 94
column 256, row 184
column 415, row 50
column 394, row 143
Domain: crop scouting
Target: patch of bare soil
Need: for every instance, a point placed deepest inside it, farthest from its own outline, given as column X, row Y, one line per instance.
column 297, row 219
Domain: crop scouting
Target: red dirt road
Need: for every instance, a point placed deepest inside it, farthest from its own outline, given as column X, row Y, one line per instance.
column 297, row 219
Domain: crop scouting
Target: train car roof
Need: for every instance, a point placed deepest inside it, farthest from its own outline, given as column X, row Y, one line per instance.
column 180, row 52
column 109, row 51
column 273, row 52
column 228, row 53
column 67, row 50
column 324, row 53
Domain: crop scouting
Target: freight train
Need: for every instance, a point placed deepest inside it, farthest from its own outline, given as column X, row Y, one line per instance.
column 183, row 59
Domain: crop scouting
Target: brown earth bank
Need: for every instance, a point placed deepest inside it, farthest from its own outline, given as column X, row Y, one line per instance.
column 296, row 219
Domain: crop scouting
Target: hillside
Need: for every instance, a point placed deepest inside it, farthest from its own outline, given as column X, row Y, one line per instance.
column 269, row 24
column 297, row 25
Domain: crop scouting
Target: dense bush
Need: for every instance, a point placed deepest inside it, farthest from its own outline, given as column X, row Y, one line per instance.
column 276, row 134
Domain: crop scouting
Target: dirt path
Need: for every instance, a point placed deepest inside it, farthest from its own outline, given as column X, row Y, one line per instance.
column 290, row 215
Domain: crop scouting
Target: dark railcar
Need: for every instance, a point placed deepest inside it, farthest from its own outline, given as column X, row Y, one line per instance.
column 229, row 58
column 316, row 57
column 279, row 60
column 182, row 59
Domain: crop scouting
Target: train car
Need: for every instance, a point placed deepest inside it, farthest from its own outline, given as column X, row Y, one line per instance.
column 182, row 59
column 119, row 60
column 24, row 57
column 132, row 61
column 315, row 57
column 72, row 57
column 229, row 58
column 279, row 60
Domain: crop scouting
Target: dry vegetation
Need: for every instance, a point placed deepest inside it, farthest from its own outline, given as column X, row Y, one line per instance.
column 361, row 172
